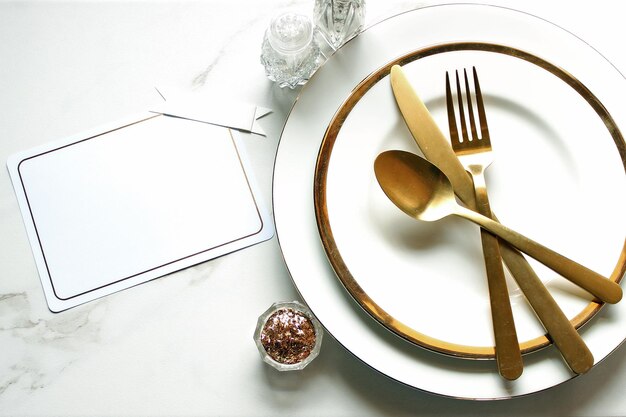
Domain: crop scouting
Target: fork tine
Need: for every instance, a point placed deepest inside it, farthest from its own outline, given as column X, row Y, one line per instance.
column 454, row 133
column 470, row 107
column 461, row 111
column 484, row 130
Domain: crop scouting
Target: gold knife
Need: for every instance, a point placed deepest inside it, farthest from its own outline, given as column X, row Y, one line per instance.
column 437, row 149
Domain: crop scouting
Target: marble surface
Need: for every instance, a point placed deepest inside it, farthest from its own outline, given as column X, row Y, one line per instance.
column 182, row 345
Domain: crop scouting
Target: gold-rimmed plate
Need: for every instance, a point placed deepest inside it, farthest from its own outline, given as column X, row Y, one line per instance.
column 374, row 124
column 388, row 263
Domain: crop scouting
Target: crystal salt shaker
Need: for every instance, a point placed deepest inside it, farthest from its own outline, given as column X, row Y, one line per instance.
column 289, row 53
column 339, row 20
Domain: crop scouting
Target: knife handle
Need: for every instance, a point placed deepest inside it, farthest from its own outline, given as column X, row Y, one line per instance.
column 574, row 350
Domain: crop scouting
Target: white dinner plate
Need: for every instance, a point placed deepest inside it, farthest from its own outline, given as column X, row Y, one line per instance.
column 393, row 265
column 558, row 177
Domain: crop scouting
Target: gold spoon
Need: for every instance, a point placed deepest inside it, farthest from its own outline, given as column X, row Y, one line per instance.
column 423, row 192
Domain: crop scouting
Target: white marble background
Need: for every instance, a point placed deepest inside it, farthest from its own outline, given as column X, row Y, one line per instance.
column 182, row 345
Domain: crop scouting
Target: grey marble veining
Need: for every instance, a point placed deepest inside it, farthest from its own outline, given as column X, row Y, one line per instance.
column 33, row 340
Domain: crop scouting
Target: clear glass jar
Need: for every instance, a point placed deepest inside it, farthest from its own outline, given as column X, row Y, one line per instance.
column 288, row 336
column 289, row 53
column 339, row 20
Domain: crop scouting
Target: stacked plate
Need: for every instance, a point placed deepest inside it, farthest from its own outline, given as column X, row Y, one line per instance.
column 410, row 299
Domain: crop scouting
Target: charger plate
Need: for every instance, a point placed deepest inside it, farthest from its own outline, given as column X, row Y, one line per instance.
column 560, row 156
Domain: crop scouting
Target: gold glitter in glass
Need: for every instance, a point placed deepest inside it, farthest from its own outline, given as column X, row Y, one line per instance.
column 288, row 336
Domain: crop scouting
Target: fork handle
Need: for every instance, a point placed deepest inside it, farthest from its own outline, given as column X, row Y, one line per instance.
column 508, row 354
column 603, row 288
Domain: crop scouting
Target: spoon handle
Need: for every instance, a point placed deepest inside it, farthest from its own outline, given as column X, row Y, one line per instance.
column 596, row 284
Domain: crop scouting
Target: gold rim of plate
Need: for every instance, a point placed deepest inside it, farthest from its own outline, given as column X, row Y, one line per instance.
column 326, row 233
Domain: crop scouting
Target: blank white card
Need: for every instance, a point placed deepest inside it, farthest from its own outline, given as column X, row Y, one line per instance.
column 110, row 210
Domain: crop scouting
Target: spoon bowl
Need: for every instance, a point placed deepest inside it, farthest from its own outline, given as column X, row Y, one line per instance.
column 414, row 185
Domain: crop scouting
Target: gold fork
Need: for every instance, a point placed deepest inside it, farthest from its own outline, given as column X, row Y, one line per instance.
column 475, row 155
column 559, row 328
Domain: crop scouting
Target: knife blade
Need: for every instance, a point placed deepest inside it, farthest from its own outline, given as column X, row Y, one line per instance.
column 436, row 148
column 429, row 138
